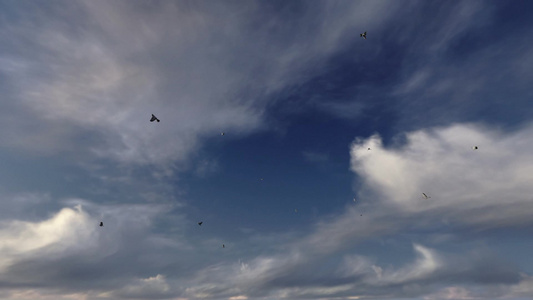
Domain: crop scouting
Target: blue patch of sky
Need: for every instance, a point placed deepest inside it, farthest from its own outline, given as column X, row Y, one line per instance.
column 241, row 198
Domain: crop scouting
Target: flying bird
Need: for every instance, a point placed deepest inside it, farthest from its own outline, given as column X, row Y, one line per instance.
column 200, row 223
column 363, row 35
column 368, row 148
column 223, row 246
column 425, row 196
column 475, row 148
column 101, row 224
column 154, row 118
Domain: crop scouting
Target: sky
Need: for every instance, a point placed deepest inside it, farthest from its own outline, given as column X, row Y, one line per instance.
column 294, row 205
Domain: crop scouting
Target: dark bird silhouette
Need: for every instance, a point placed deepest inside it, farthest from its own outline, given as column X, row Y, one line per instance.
column 223, row 246
column 425, row 196
column 154, row 118
column 101, row 224
column 363, row 35
column 200, row 223
column 368, row 148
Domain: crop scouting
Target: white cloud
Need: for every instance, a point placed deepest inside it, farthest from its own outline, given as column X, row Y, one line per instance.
column 427, row 263
column 488, row 187
column 156, row 286
column 68, row 230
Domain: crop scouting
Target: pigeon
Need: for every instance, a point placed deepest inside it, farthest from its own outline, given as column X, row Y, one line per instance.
column 475, row 148
column 101, row 224
column 154, row 118
column 425, row 196
column 200, row 223
column 363, row 35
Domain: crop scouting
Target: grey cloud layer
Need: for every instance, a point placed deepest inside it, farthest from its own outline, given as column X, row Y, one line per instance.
column 84, row 76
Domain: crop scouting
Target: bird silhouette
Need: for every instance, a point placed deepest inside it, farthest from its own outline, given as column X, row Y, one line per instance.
column 154, row 118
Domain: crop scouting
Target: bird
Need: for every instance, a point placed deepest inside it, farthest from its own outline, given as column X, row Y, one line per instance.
column 101, row 224
column 475, row 147
column 200, row 223
column 425, row 196
column 223, row 246
column 368, row 148
column 154, row 118
column 363, row 35
column 222, row 133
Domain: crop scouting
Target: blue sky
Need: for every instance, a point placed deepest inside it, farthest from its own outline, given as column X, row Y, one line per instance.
column 300, row 97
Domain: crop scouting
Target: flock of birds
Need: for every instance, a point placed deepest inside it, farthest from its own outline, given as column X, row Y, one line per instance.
column 154, row 118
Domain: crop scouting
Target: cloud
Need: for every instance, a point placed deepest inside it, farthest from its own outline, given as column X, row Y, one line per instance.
column 150, row 288
column 392, row 180
column 467, row 186
column 88, row 90
column 321, row 263
column 80, row 81
column 68, row 230
column 68, row 253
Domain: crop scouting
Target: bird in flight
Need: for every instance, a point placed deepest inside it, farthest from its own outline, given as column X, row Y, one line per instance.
column 223, row 246
column 425, row 196
column 200, row 223
column 101, row 224
column 475, row 147
column 363, row 35
column 154, row 118
column 368, row 148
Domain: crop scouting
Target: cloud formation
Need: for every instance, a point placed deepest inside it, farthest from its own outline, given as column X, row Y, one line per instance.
column 80, row 80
